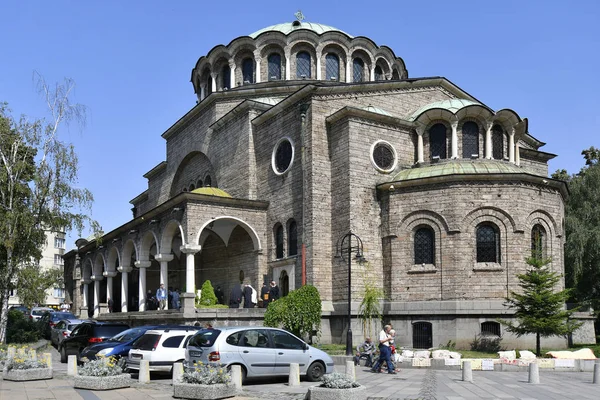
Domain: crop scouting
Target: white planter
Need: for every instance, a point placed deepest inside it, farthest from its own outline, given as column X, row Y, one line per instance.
column 183, row 390
column 323, row 393
column 102, row 382
column 33, row 374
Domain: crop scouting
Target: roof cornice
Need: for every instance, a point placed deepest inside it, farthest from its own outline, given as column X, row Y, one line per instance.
column 156, row 170
column 348, row 112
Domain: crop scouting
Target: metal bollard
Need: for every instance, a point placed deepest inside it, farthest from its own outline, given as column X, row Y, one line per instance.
column 177, row 372
column 72, row 366
column 597, row 372
column 467, row 375
column 350, row 369
column 144, row 371
column 294, row 378
column 236, row 376
column 534, row 373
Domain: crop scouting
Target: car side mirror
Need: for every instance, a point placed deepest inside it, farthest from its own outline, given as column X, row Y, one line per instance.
column 304, row 346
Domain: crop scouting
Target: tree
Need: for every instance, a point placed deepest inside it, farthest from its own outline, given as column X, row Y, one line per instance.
column 38, row 192
column 370, row 306
column 32, row 283
column 540, row 309
column 299, row 312
column 207, row 295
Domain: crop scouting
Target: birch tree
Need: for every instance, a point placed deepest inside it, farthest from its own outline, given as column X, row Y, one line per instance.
column 38, row 185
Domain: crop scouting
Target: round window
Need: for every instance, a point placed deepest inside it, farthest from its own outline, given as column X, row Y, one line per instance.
column 383, row 156
column 283, row 156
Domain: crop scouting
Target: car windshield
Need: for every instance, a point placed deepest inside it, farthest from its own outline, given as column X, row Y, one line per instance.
column 128, row 335
column 106, row 331
column 61, row 315
column 204, row 338
column 38, row 312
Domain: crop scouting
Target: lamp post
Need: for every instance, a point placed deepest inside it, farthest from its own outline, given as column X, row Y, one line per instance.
column 348, row 244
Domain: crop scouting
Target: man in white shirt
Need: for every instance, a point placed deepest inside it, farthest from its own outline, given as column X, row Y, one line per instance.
column 385, row 351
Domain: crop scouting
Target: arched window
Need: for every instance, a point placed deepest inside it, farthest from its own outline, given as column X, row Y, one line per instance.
column 248, row 70
column 490, row 328
column 302, row 65
column 358, row 70
column 488, row 243
column 538, row 241
column 284, row 283
column 292, row 239
column 192, row 187
column 379, row 74
column 497, row 142
column 424, row 246
column 207, row 181
column 437, row 141
column 226, row 75
column 279, row 241
column 332, row 67
column 208, row 85
column 274, row 61
column 470, row 139
column 199, row 183
column 395, row 75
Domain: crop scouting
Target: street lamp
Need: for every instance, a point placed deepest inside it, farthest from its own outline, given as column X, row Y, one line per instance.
column 348, row 244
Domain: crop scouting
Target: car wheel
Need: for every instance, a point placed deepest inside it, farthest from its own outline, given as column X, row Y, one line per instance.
column 315, row 371
column 63, row 355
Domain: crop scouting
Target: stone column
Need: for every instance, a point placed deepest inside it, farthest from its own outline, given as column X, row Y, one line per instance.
column 349, row 71
column 84, row 302
column 109, row 285
column 202, row 92
column 318, row 65
column 190, row 277
column 164, row 259
column 372, row 74
column 517, row 154
column 454, row 125
column 231, row 75
column 213, row 80
column 257, row 72
column 288, row 67
column 124, row 270
column 142, row 265
column 96, row 280
column 511, row 146
column 488, row 141
column 420, row 155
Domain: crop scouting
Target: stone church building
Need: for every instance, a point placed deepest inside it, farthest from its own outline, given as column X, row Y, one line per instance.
column 303, row 133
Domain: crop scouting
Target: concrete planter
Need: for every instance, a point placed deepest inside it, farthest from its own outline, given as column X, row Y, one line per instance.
column 102, row 382
column 323, row 393
column 34, row 374
column 183, row 390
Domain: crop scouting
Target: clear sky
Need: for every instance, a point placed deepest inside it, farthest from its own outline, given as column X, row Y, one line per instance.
column 132, row 62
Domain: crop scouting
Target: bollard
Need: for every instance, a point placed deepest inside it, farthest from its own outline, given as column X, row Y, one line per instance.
column 72, row 366
column 48, row 360
column 177, row 372
column 597, row 372
column 144, row 371
column 33, row 355
column 12, row 352
column 236, row 376
column 294, row 379
column 467, row 375
column 350, row 370
column 534, row 373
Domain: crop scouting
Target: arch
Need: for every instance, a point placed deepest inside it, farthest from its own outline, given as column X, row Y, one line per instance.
column 424, row 245
column 187, row 171
column 499, row 216
column 539, row 241
column 284, row 283
column 148, row 240
column 208, row 181
column 488, row 243
column 438, row 141
column 228, row 223
column 278, row 239
column 498, row 142
column 470, row 139
column 303, row 65
column 248, row 70
column 191, row 187
column 332, row 67
column 418, row 217
column 477, row 112
column 114, row 259
column 99, row 265
column 292, row 237
column 168, row 234
column 274, row 67
column 130, row 250
column 86, row 270
column 225, row 77
column 358, row 70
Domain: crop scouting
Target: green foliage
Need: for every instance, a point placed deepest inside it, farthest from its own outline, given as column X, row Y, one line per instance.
column 486, row 344
column 370, row 306
column 337, row 380
column 21, row 329
column 539, row 308
column 207, row 296
column 207, row 374
column 101, row 366
column 299, row 312
column 451, row 345
column 33, row 282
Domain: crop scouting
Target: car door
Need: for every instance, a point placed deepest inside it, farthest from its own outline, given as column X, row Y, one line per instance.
column 58, row 330
column 78, row 339
column 289, row 349
column 256, row 352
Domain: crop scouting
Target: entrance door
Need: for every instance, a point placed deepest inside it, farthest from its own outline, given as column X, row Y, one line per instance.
column 422, row 335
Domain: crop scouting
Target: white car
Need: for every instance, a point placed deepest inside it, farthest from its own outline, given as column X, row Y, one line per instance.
column 161, row 347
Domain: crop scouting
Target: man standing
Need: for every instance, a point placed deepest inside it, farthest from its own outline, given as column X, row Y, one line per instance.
column 161, row 296
column 219, row 294
column 385, row 351
column 273, row 292
column 248, row 296
column 264, row 295
column 175, row 300
column 235, row 297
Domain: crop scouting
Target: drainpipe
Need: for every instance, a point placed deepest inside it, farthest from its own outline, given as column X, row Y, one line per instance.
column 303, row 109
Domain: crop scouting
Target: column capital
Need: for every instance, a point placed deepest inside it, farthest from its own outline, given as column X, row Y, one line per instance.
column 96, row 277
column 142, row 264
column 86, row 281
column 454, row 123
column 109, row 274
column 190, row 248
column 420, row 128
column 163, row 257
column 124, row 269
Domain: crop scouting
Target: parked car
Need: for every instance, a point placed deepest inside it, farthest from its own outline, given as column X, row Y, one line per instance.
column 161, row 347
column 37, row 312
column 117, row 346
column 260, row 351
column 23, row 309
column 87, row 333
column 62, row 330
column 49, row 319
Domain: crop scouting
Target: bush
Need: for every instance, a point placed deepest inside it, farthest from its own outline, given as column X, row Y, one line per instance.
column 299, row 312
column 338, row 381
column 207, row 296
column 486, row 344
column 20, row 329
column 101, row 366
column 207, row 374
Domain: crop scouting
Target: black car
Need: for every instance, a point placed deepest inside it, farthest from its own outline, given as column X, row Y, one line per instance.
column 49, row 319
column 88, row 333
column 117, row 346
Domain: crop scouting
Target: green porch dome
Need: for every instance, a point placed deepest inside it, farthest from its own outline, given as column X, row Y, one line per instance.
column 211, row 191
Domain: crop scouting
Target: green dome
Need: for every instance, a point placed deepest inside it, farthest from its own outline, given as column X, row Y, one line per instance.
column 288, row 27
column 452, row 105
column 211, row 191
column 457, row 167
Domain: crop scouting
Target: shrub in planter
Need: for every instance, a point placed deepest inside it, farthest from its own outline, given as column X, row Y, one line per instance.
column 337, row 386
column 205, row 382
column 25, row 369
column 103, row 373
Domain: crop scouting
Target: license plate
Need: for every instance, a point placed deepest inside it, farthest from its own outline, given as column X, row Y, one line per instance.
column 140, row 356
column 195, row 353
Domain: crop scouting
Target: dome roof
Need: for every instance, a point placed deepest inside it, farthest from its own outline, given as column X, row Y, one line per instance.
column 457, row 167
column 288, row 27
column 452, row 105
column 211, row 191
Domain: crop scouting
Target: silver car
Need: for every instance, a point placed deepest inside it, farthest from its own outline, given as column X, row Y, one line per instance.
column 62, row 330
column 260, row 351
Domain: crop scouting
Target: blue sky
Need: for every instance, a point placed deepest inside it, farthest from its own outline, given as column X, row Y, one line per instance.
column 132, row 61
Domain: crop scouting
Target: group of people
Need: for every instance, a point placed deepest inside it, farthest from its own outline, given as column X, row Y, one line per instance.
column 159, row 301
column 249, row 295
column 386, row 348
